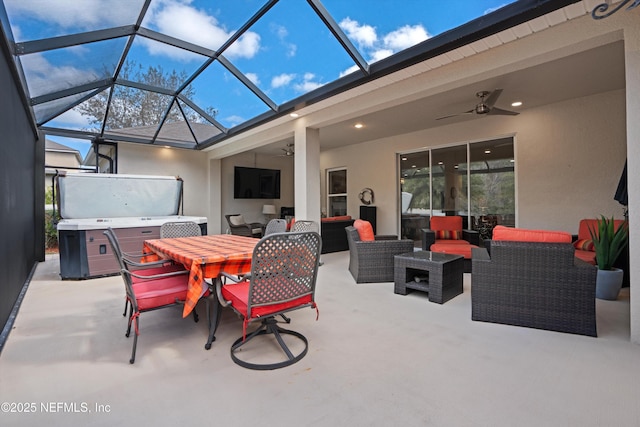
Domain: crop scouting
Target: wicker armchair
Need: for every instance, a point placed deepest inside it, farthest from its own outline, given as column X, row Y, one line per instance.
column 534, row 284
column 372, row 262
column 239, row 227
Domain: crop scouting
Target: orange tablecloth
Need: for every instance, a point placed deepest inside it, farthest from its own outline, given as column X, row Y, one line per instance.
column 205, row 257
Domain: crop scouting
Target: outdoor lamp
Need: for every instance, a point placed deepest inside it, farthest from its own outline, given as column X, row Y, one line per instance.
column 268, row 211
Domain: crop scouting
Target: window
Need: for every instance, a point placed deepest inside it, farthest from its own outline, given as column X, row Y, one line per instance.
column 474, row 180
column 337, row 192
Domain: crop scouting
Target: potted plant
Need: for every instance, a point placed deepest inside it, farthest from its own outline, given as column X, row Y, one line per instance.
column 609, row 241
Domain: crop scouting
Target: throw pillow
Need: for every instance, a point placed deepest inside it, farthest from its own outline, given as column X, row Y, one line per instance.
column 236, row 220
column 448, row 234
column 365, row 230
column 584, row 245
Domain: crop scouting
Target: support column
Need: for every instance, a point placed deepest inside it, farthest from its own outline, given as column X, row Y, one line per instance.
column 632, row 65
column 214, row 217
column 307, row 172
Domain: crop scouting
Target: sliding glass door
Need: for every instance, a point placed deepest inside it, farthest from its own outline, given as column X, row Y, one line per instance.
column 474, row 180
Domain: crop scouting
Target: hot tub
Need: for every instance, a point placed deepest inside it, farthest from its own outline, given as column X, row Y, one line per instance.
column 137, row 205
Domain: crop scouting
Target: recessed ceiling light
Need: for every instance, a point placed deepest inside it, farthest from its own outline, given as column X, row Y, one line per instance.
column 414, row 166
column 440, row 163
column 358, row 126
column 404, row 158
column 487, row 151
column 294, row 115
column 516, row 104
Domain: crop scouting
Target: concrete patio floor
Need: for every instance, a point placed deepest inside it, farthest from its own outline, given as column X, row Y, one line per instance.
column 375, row 358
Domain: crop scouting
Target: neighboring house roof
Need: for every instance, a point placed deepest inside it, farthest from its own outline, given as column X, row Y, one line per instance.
column 54, row 147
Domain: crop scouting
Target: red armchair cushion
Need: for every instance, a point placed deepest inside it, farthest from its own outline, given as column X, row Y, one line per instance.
column 585, row 224
column 448, row 234
column 501, row 232
column 584, row 245
column 238, row 294
column 446, row 223
column 365, row 230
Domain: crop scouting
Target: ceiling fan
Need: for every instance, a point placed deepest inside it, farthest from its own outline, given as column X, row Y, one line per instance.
column 288, row 150
column 485, row 106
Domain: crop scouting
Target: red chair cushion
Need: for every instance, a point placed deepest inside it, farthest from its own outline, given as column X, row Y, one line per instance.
column 446, row 223
column 454, row 249
column 238, row 294
column 501, row 232
column 365, row 230
column 158, row 292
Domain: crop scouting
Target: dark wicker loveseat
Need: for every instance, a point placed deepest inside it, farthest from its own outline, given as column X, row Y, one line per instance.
column 537, row 285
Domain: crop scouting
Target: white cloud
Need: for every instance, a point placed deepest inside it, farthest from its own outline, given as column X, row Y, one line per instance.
column 180, row 20
column 43, row 77
column 405, row 37
column 282, row 80
column 234, row 120
column 70, row 14
column 253, row 77
column 308, row 83
column 377, row 48
column 364, row 35
column 349, row 70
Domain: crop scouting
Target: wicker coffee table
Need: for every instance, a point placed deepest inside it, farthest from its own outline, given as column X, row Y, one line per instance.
column 437, row 273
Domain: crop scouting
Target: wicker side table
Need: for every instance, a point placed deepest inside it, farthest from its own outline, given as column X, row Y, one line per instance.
column 437, row 273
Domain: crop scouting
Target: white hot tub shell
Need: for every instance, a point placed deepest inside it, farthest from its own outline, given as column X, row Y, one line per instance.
column 137, row 206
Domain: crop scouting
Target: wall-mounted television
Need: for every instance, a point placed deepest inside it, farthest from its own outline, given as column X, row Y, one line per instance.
column 256, row 183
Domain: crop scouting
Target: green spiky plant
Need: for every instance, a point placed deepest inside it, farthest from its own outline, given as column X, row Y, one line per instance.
column 608, row 241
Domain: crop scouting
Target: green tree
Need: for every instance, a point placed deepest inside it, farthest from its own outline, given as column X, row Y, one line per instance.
column 132, row 107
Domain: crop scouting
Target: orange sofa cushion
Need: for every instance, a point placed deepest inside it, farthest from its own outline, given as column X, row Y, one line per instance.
column 501, row 232
column 446, row 223
column 453, row 248
column 365, row 230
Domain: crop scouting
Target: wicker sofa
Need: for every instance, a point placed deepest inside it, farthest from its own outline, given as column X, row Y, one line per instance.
column 535, row 284
column 373, row 261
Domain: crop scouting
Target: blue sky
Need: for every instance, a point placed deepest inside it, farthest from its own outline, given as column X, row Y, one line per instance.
column 287, row 53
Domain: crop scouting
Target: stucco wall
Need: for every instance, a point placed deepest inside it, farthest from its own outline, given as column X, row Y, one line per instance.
column 251, row 209
column 190, row 165
column 569, row 157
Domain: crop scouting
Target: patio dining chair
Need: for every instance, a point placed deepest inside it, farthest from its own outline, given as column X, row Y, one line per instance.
column 284, row 269
column 149, row 289
column 305, row 225
column 179, row 229
column 275, row 226
column 133, row 260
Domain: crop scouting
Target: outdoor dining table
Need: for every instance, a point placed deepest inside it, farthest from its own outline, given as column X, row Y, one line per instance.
column 205, row 257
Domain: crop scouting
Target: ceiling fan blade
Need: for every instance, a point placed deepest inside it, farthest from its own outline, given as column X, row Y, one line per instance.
column 492, row 98
column 501, row 112
column 455, row 115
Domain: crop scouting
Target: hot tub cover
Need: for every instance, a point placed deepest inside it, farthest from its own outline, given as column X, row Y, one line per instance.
column 83, row 195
